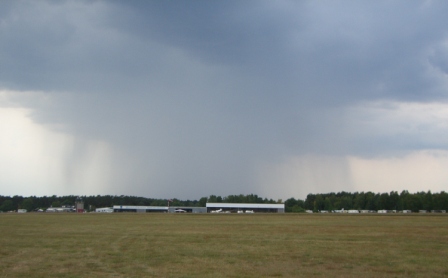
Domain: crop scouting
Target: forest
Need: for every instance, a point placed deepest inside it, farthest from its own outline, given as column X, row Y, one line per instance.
column 371, row 201
column 315, row 202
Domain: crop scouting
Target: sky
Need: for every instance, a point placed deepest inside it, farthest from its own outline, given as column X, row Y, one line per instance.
column 185, row 99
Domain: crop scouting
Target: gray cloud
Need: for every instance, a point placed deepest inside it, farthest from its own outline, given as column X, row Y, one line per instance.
column 197, row 93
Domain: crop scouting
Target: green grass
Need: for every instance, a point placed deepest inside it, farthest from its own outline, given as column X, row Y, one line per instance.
column 219, row 245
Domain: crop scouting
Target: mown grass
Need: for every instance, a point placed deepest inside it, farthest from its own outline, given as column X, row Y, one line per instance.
column 220, row 245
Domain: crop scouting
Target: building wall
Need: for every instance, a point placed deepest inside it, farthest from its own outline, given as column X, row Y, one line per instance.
column 104, row 210
column 140, row 209
column 188, row 209
column 256, row 208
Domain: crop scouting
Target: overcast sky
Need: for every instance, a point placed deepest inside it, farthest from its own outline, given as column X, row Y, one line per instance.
column 184, row 99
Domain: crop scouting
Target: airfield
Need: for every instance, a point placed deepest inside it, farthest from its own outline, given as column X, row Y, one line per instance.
column 223, row 245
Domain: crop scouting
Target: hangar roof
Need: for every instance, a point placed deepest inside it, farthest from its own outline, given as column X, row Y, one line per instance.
column 141, row 207
column 245, row 205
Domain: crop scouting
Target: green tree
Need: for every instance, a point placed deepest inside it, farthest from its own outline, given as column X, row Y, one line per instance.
column 440, row 201
column 7, row 205
column 203, row 202
column 359, row 201
column 414, row 202
column 319, row 203
column 68, row 202
column 309, row 201
column 371, row 203
column 16, row 200
column 297, row 209
column 346, row 202
column 394, row 200
column 27, row 204
column 212, row 199
column 289, row 203
column 427, row 201
column 327, row 204
column 384, row 201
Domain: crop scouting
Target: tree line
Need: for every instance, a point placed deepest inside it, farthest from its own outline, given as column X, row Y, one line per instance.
column 371, row 201
column 315, row 202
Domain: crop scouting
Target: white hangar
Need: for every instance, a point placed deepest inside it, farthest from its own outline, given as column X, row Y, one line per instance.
column 244, row 208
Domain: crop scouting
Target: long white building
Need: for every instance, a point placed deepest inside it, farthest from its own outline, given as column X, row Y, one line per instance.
column 245, row 207
column 140, row 209
column 210, row 207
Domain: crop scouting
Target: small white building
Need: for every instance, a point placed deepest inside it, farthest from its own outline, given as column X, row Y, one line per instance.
column 21, row 211
column 104, row 210
column 59, row 209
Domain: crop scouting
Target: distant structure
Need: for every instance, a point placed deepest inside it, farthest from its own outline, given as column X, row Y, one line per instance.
column 247, row 208
column 79, row 205
column 63, row 209
column 104, row 210
column 210, row 208
column 140, row 209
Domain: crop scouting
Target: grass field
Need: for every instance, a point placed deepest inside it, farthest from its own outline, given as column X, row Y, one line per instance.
column 221, row 245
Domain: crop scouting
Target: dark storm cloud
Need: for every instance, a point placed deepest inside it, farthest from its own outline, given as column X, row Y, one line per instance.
column 294, row 49
column 198, row 92
column 225, row 32
column 306, row 45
